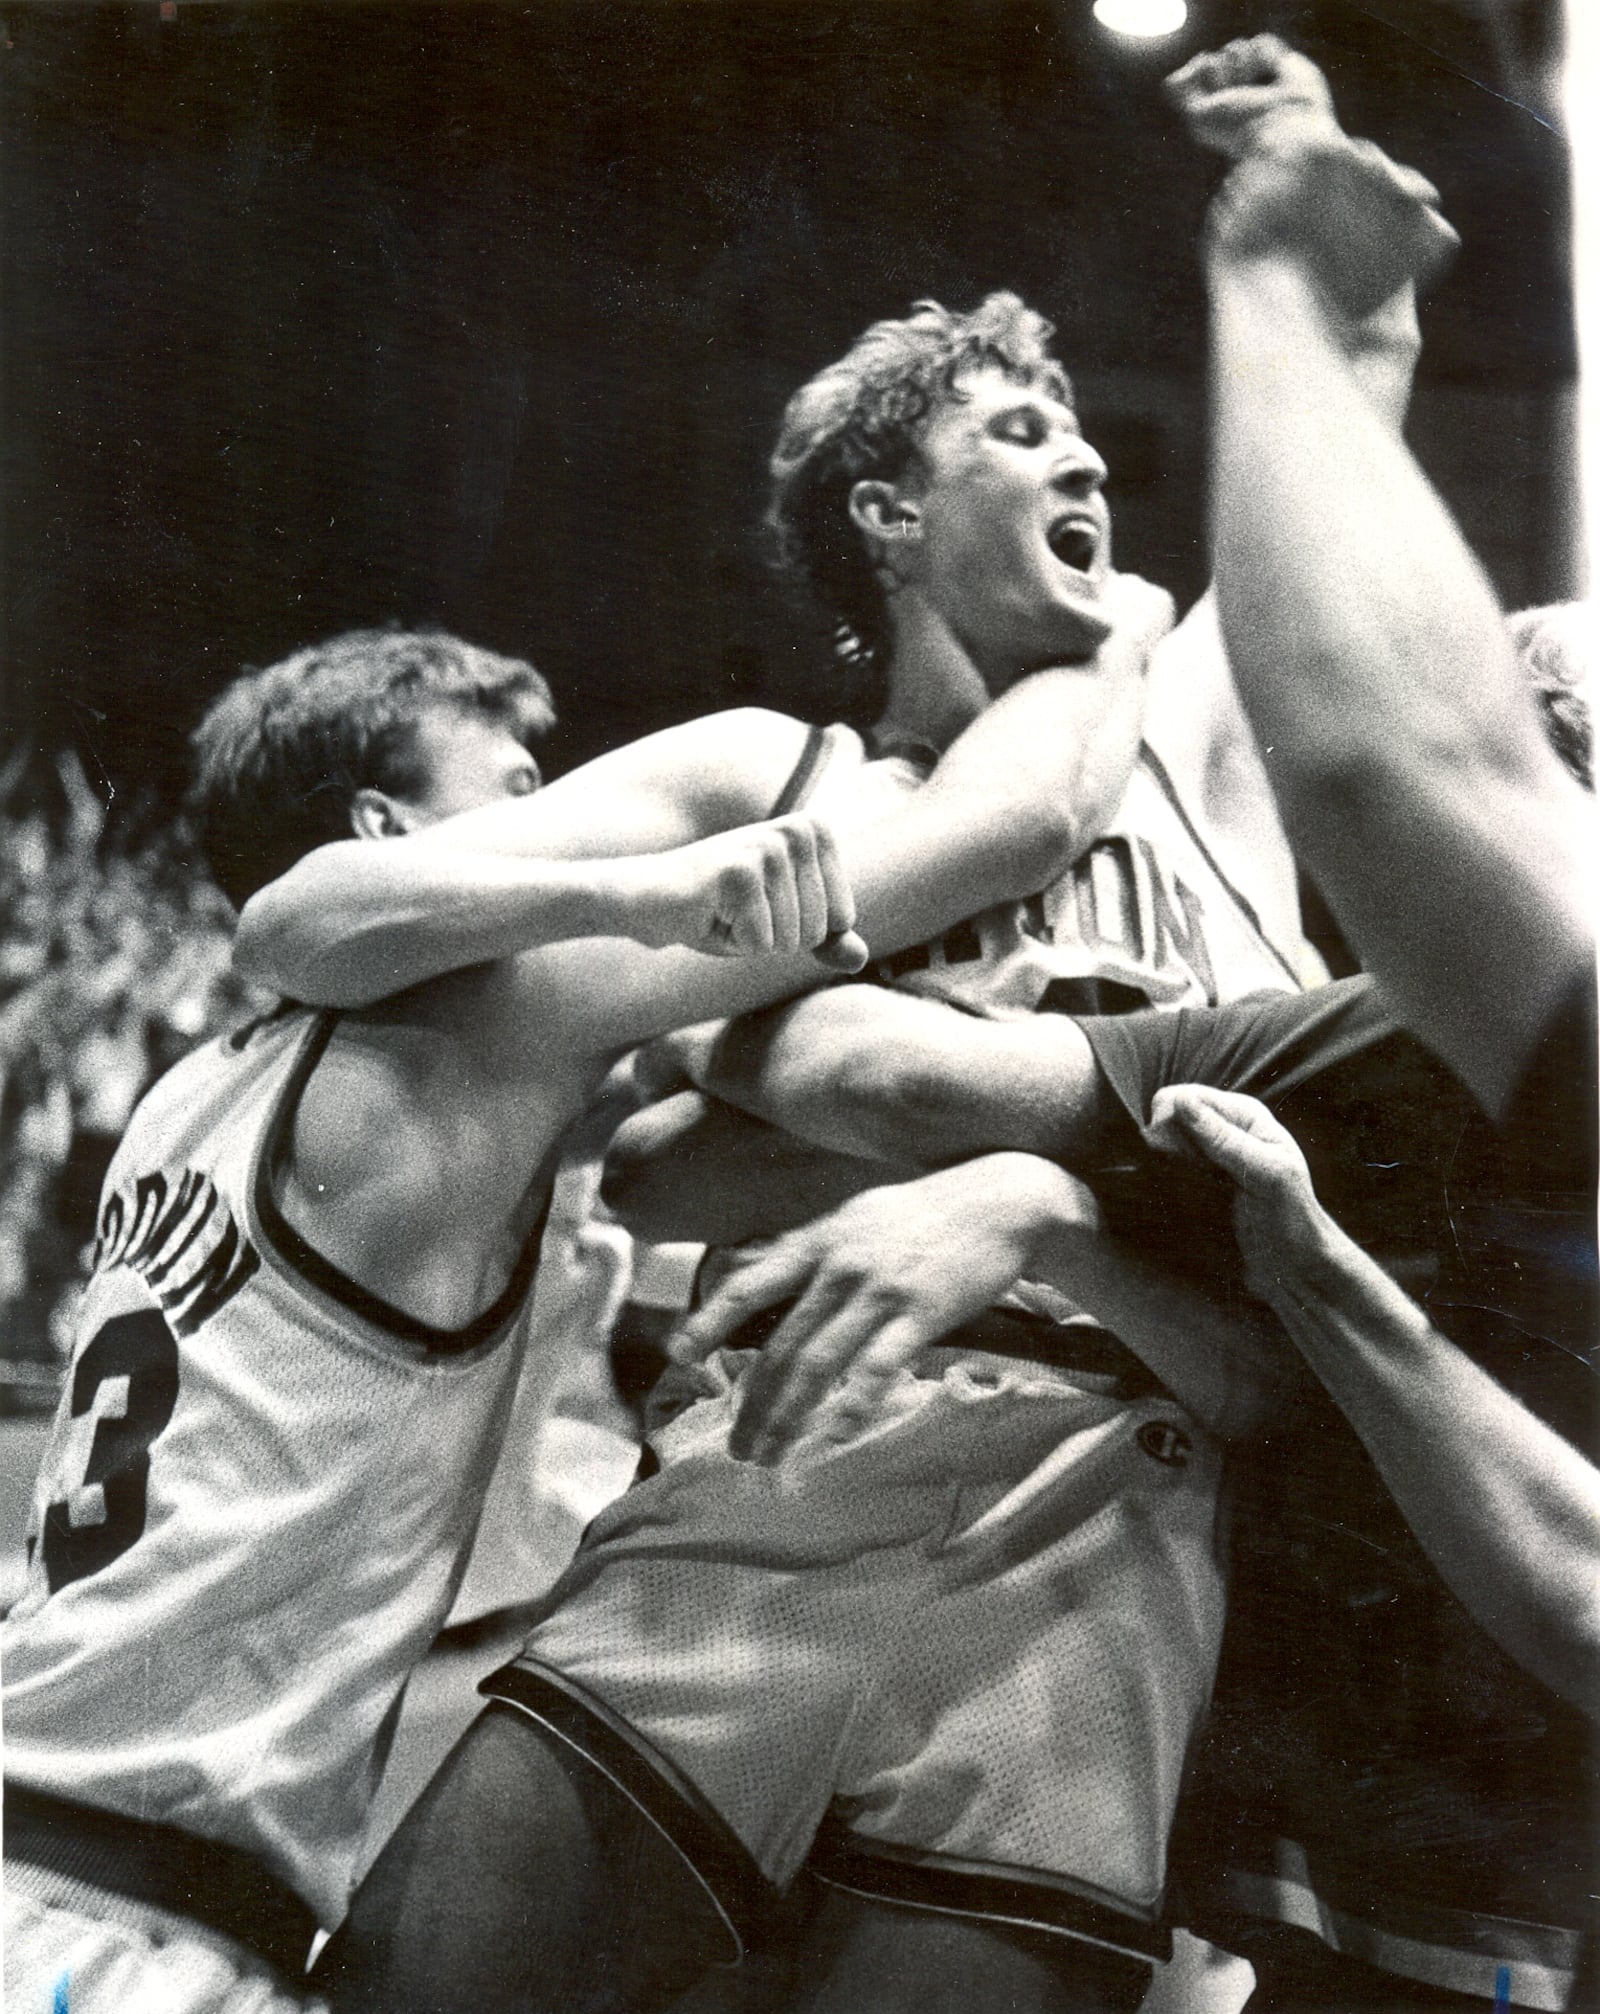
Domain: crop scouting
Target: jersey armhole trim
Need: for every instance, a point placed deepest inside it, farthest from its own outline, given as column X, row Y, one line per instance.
column 302, row 1258
column 1242, row 902
column 803, row 777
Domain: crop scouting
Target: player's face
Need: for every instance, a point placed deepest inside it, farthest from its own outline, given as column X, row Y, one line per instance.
column 1015, row 535
column 468, row 760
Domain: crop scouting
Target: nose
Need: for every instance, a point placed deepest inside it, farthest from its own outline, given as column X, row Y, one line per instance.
column 1078, row 471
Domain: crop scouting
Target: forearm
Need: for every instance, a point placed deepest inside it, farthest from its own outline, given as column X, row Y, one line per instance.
column 870, row 1072
column 1015, row 800
column 1507, row 1510
column 693, row 1169
column 1372, row 660
column 359, row 919
column 361, row 922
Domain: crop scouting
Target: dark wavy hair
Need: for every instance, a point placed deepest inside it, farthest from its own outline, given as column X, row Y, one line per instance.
column 278, row 759
column 863, row 418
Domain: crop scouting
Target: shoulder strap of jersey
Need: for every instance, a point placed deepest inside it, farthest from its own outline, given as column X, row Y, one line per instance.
column 803, row 776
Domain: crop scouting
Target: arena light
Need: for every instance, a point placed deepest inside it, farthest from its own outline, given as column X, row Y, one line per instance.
column 1146, row 19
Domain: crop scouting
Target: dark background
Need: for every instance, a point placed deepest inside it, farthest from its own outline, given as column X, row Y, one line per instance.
column 327, row 314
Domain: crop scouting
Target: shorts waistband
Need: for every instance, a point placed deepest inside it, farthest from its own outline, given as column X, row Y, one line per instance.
column 164, row 1867
column 1062, row 1346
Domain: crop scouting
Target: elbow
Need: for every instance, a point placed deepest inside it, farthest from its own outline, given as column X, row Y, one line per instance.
column 1044, row 842
column 636, row 1191
column 646, row 1182
column 899, row 1104
column 277, row 947
column 263, row 949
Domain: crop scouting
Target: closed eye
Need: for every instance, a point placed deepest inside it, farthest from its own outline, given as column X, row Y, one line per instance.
column 1024, row 428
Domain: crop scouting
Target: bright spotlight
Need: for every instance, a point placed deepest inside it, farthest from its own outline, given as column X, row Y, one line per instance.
column 1144, row 18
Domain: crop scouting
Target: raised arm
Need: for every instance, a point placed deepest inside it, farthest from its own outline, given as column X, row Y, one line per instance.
column 1409, row 763
column 1507, row 1510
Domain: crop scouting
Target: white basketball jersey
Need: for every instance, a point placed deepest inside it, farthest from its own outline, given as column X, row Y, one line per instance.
column 257, row 1496
column 1146, row 918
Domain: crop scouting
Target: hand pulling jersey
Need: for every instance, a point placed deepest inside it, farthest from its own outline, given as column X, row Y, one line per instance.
column 257, row 1496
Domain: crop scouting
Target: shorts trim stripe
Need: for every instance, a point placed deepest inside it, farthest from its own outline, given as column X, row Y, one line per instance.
column 1023, row 1896
column 717, row 1858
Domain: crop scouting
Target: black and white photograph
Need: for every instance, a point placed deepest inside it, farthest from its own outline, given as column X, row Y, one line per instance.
column 798, row 1007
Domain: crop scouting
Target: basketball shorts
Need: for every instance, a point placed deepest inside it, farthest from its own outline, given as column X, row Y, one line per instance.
column 957, row 1660
column 72, row 1945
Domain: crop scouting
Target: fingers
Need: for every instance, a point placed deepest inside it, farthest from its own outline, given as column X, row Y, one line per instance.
column 838, row 896
column 1141, row 613
column 844, row 952
column 1234, row 1132
column 760, row 1278
column 1228, row 96
column 784, row 891
column 802, row 1364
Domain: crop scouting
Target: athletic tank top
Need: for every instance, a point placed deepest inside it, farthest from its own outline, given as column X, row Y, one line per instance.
column 257, row 1496
column 1145, row 918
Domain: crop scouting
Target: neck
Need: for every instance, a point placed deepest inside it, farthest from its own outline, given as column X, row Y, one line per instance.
column 935, row 688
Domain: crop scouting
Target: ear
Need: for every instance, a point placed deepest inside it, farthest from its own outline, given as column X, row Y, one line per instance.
column 375, row 815
column 884, row 512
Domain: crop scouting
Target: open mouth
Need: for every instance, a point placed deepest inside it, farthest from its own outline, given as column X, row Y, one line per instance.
column 1074, row 543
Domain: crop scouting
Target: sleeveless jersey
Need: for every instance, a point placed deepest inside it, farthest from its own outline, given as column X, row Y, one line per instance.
column 257, row 1496
column 1145, row 918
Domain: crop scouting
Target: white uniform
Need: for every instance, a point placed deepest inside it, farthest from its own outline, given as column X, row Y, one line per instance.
column 256, row 1501
column 965, row 1653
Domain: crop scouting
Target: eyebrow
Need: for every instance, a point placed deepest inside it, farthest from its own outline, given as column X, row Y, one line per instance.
column 1029, row 404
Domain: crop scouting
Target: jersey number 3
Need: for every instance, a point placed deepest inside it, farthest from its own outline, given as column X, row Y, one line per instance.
column 123, row 1391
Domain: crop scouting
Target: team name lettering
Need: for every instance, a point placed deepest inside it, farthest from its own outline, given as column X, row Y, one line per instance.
column 1117, row 904
column 180, row 1237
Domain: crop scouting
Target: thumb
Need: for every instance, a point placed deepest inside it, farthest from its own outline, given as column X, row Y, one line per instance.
column 842, row 951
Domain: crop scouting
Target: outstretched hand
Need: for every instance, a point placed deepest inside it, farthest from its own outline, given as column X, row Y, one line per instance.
column 759, row 890
column 870, row 1284
column 1276, row 1214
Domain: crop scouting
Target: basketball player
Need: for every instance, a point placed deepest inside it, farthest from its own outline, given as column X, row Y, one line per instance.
column 316, row 1245
column 1345, row 1725
column 731, row 1727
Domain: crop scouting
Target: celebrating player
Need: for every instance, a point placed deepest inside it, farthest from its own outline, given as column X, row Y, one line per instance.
column 1341, row 1722
column 316, row 1247
column 761, row 1649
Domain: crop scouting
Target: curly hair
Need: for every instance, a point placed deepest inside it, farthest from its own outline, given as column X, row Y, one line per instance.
column 1557, row 651
column 279, row 757
column 864, row 417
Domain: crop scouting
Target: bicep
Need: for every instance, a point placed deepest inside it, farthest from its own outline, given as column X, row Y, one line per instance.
column 667, row 789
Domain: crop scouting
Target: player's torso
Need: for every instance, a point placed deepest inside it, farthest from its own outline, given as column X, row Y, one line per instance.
column 1145, row 918
column 256, row 1498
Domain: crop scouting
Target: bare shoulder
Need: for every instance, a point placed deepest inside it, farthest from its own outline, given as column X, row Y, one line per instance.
column 744, row 757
